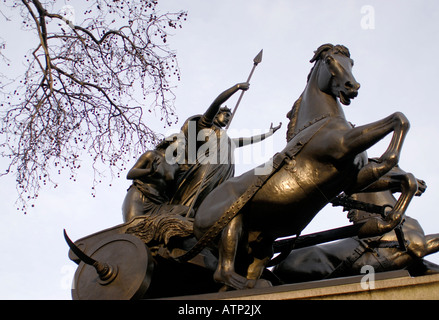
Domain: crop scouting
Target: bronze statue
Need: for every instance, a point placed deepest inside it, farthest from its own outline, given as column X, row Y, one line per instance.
column 227, row 241
column 384, row 253
column 153, row 179
column 323, row 158
column 201, row 172
column 162, row 188
column 148, row 197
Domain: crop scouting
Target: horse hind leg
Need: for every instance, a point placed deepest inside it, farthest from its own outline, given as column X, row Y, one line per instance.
column 262, row 252
column 230, row 239
column 233, row 239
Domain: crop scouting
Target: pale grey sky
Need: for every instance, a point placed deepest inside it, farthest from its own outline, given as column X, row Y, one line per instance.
column 393, row 44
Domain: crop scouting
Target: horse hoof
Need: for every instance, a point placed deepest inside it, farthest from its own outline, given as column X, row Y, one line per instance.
column 226, row 288
column 260, row 283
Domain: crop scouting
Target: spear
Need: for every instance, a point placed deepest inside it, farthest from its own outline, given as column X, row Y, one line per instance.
column 256, row 61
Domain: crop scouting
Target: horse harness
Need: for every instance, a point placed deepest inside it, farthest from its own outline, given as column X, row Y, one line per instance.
column 278, row 160
column 369, row 244
column 366, row 245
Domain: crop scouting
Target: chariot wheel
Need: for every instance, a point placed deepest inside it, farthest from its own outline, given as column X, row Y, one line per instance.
column 118, row 268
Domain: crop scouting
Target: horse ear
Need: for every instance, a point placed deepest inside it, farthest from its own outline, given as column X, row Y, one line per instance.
column 320, row 50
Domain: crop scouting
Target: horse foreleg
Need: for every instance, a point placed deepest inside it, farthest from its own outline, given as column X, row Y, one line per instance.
column 363, row 137
column 359, row 139
column 377, row 226
column 392, row 181
column 393, row 152
column 432, row 241
column 371, row 179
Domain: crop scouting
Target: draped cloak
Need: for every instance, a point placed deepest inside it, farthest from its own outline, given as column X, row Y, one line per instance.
column 212, row 164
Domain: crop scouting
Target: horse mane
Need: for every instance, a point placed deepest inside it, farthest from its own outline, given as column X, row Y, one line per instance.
column 325, row 47
column 318, row 54
column 292, row 115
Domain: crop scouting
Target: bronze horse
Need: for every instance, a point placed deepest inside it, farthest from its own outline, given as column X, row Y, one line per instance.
column 323, row 158
column 348, row 256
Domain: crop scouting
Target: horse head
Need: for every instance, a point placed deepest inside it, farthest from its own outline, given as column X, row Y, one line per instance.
column 334, row 74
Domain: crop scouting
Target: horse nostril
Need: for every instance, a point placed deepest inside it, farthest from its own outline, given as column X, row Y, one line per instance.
column 351, row 86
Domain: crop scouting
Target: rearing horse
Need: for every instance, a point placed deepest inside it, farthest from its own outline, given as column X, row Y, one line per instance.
column 323, row 158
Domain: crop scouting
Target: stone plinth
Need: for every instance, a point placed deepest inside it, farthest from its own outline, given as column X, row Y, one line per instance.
column 395, row 285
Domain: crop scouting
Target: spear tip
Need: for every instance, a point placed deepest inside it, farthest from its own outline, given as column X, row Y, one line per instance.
column 258, row 58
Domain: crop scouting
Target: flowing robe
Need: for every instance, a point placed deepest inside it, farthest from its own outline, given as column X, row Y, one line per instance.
column 206, row 166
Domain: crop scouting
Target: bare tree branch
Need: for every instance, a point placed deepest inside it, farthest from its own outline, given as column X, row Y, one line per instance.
column 82, row 90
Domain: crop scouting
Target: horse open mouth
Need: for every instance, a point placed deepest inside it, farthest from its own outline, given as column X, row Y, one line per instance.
column 346, row 98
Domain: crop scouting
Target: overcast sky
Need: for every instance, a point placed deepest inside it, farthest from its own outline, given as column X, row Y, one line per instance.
column 393, row 43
